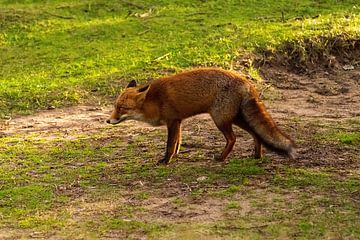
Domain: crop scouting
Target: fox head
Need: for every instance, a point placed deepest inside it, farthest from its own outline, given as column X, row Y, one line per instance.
column 128, row 104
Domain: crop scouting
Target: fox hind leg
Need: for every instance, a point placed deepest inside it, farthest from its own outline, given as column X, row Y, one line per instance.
column 226, row 128
column 258, row 146
column 230, row 140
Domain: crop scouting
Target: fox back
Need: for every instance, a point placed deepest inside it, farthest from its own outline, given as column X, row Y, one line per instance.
column 181, row 96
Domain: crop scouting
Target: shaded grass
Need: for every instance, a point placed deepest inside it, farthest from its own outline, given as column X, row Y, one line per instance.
column 36, row 177
column 328, row 50
column 133, row 228
column 62, row 53
column 309, row 216
column 313, row 226
column 318, row 179
column 95, row 187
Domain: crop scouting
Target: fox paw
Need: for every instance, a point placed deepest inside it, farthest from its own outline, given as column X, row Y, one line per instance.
column 163, row 161
column 219, row 158
column 258, row 156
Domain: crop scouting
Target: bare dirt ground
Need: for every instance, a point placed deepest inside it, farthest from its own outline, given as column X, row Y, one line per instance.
column 325, row 95
column 304, row 106
column 317, row 99
column 321, row 101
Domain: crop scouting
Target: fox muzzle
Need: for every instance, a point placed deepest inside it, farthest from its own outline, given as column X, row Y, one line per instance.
column 113, row 121
column 116, row 120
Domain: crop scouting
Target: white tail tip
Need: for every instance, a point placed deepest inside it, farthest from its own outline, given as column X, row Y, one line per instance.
column 292, row 153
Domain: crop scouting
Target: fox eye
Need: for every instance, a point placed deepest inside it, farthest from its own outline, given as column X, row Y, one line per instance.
column 123, row 108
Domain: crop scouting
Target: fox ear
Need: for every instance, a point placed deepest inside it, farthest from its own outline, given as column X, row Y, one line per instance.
column 143, row 89
column 142, row 92
column 132, row 83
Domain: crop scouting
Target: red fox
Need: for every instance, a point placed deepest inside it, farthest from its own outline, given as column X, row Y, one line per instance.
column 228, row 97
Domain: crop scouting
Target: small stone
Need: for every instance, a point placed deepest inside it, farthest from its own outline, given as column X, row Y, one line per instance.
column 201, row 179
column 348, row 67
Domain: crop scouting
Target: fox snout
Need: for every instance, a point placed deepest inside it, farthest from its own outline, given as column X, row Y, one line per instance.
column 115, row 118
column 113, row 121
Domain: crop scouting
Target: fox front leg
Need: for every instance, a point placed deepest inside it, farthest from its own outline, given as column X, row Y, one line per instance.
column 172, row 141
column 178, row 143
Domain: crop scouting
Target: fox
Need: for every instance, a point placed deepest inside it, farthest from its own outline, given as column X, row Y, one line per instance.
column 229, row 98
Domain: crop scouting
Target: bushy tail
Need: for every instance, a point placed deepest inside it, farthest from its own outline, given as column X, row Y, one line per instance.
column 255, row 115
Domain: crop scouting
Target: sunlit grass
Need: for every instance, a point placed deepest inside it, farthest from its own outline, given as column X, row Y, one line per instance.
column 62, row 53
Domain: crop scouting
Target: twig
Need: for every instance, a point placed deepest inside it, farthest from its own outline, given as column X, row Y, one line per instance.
column 188, row 187
column 282, row 16
column 265, row 18
column 252, row 227
column 199, row 129
column 197, row 13
column 143, row 32
column 59, row 16
column 263, row 90
column 161, row 57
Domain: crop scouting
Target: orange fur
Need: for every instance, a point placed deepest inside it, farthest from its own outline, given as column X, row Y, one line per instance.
column 228, row 97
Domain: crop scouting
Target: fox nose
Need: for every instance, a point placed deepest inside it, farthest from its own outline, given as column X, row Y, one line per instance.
column 108, row 121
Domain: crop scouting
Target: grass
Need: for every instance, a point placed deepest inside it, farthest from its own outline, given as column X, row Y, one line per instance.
column 59, row 53
column 319, row 179
column 349, row 138
column 345, row 133
column 69, row 188
column 92, row 186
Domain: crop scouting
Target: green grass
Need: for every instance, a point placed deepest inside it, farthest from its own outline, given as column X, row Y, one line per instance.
column 300, row 177
column 348, row 138
column 90, row 186
column 57, row 53
column 86, row 187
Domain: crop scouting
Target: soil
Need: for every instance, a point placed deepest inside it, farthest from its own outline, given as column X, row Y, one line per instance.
column 321, row 101
column 332, row 96
column 304, row 106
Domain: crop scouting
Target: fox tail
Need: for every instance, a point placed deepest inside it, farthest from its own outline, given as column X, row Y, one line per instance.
column 260, row 122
